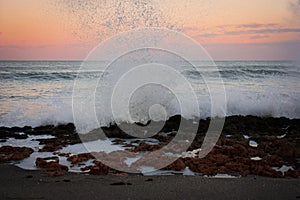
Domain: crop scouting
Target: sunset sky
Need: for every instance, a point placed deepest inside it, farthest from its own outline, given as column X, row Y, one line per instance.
column 228, row 29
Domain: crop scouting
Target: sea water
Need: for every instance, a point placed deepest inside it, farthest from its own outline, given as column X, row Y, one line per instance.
column 40, row 92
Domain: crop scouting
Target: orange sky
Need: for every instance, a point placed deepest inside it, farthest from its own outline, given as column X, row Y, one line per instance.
column 229, row 29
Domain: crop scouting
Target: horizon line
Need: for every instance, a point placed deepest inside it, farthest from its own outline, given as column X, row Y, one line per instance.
column 81, row 60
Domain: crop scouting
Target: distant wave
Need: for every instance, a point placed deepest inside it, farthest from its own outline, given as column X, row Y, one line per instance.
column 45, row 76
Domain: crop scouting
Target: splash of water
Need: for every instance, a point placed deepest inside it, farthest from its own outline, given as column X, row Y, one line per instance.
column 95, row 19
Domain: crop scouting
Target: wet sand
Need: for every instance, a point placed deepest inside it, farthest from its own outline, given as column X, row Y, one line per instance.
column 17, row 183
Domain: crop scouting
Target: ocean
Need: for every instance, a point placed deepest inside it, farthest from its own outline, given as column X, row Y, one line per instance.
column 34, row 93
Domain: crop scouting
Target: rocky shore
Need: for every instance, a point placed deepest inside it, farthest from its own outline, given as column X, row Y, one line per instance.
column 248, row 145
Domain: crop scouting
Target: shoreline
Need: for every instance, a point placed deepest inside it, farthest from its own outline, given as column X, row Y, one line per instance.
column 248, row 145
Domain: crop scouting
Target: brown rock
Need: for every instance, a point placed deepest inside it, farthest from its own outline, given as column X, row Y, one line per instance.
column 218, row 159
column 293, row 173
column 99, row 169
column 240, row 150
column 223, row 170
column 145, row 147
column 51, row 165
column 177, row 165
column 51, row 147
column 286, row 151
column 43, row 162
column 273, row 160
column 201, row 166
column 8, row 153
column 264, row 170
column 76, row 159
column 238, row 167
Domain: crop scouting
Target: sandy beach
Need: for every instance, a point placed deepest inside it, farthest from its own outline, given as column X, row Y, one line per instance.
column 21, row 184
